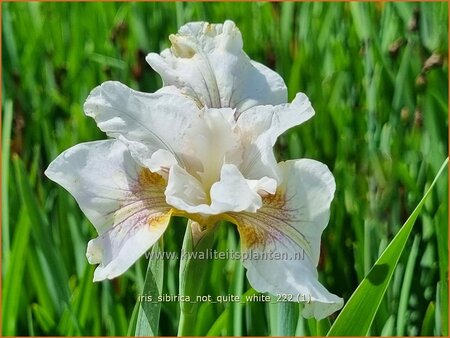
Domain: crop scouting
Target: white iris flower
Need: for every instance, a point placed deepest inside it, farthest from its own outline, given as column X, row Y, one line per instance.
column 202, row 147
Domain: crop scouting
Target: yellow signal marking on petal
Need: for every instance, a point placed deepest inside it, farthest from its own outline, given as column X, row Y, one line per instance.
column 180, row 47
column 159, row 220
column 276, row 200
column 148, row 179
column 251, row 237
column 209, row 28
column 146, row 197
column 204, row 220
column 271, row 220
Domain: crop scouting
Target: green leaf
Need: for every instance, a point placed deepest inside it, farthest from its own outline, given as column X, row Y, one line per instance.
column 323, row 326
column 192, row 274
column 133, row 320
column 218, row 325
column 428, row 321
column 44, row 295
column 388, row 327
column 283, row 318
column 6, row 145
column 403, row 315
column 361, row 19
column 50, row 261
column 357, row 316
column 43, row 318
column 149, row 310
column 80, row 302
column 441, row 226
column 14, row 276
column 442, row 306
column 236, row 308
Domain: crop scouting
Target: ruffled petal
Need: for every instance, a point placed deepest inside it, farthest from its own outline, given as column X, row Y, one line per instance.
column 281, row 241
column 235, row 193
column 210, row 143
column 207, row 62
column 259, row 129
column 121, row 246
column 185, row 192
column 124, row 202
column 231, row 193
column 145, row 122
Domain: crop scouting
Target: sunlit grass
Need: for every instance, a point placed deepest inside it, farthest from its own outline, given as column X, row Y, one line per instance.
column 377, row 76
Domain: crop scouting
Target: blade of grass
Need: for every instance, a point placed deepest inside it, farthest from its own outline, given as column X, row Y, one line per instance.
column 14, row 275
column 283, row 318
column 44, row 295
column 6, row 145
column 53, row 267
column 441, row 228
column 148, row 317
column 43, row 318
column 236, row 307
column 218, row 325
column 30, row 322
column 9, row 37
column 133, row 319
column 402, row 314
column 207, row 316
column 428, row 321
column 357, row 316
column 388, row 329
column 323, row 326
column 442, row 306
column 81, row 299
column 272, row 308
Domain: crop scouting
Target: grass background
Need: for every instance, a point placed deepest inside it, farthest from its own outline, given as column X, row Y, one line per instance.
column 377, row 75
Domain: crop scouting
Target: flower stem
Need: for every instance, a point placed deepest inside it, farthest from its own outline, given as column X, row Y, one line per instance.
column 193, row 268
column 186, row 326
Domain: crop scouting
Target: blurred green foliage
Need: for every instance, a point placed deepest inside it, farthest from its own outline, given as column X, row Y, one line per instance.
column 377, row 76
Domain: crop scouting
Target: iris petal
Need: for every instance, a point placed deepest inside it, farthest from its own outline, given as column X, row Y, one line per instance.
column 207, row 62
column 124, row 201
column 282, row 239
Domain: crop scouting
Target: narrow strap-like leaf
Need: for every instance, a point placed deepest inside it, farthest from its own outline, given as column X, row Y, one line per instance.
column 357, row 316
column 149, row 309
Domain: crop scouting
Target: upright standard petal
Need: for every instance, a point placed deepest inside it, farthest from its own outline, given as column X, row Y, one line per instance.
column 152, row 125
column 211, row 142
column 259, row 128
column 281, row 241
column 124, row 202
column 207, row 62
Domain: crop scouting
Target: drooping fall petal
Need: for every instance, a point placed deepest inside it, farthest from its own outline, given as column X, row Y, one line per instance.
column 290, row 224
column 124, row 201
